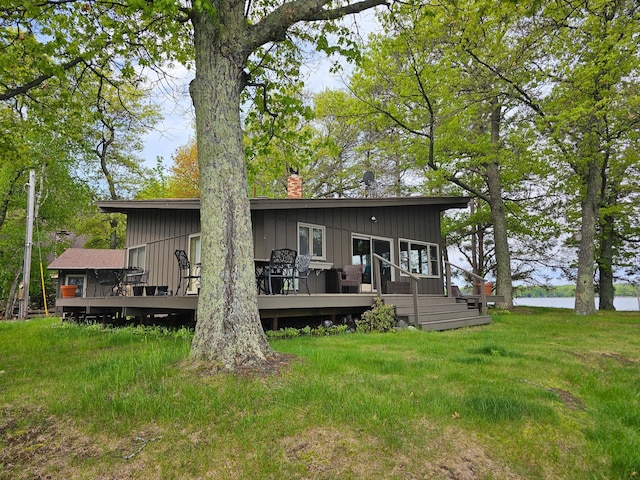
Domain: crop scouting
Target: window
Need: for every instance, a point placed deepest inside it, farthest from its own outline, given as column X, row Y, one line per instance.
column 420, row 258
column 137, row 257
column 311, row 239
column 79, row 281
column 195, row 249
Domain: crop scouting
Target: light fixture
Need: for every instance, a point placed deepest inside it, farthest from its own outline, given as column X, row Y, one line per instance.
column 374, row 219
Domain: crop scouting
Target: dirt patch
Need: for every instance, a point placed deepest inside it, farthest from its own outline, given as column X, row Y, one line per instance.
column 329, row 453
column 276, row 364
column 619, row 358
column 37, row 446
column 570, row 400
column 597, row 357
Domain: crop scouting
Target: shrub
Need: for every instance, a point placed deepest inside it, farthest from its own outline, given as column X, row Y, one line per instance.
column 381, row 318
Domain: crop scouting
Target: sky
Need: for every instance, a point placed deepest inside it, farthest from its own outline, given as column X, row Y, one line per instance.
column 177, row 126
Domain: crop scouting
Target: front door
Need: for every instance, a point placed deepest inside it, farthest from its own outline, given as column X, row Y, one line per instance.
column 361, row 248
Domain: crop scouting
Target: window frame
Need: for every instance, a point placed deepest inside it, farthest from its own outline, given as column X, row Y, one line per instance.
column 137, row 248
column 194, row 254
column 81, row 292
column 311, row 227
column 429, row 246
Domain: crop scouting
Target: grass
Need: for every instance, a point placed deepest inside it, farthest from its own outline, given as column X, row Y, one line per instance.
column 538, row 394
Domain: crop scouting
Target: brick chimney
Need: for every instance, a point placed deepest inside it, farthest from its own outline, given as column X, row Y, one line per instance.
column 294, row 186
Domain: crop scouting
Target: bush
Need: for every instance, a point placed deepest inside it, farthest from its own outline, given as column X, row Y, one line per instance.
column 381, row 318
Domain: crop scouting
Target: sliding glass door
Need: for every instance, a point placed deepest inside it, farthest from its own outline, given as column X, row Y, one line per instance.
column 361, row 249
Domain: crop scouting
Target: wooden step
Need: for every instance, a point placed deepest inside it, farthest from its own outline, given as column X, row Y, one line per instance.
column 436, row 312
column 473, row 321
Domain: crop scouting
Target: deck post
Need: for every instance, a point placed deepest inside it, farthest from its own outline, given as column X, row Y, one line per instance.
column 414, row 291
column 377, row 272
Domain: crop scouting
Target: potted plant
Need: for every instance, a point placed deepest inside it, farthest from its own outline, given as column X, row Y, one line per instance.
column 68, row 291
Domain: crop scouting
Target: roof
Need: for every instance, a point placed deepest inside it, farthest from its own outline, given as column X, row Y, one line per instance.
column 442, row 203
column 88, row 258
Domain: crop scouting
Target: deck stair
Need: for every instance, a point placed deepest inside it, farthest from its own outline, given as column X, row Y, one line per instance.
column 436, row 312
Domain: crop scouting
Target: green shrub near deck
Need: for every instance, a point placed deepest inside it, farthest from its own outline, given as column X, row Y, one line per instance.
column 538, row 394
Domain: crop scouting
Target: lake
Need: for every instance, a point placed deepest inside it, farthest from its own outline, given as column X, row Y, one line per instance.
column 621, row 303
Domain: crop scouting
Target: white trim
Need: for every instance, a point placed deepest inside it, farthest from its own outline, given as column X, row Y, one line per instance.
column 429, row 245
column 364, row 236
column 137, row 247
column 77, row 275
column 312, row 226
column 194, row 285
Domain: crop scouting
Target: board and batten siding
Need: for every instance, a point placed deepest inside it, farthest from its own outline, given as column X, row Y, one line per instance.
column 162, row 232
column 278, row 229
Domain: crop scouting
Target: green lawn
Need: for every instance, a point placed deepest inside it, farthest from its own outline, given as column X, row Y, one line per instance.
column 538, row 394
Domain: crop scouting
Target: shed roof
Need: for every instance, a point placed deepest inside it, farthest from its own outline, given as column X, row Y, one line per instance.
column 441, row 203
column 88, row 258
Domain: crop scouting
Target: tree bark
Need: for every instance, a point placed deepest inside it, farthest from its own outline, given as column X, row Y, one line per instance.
column 228, row 328
column 504, row 285
column 585, row 294
column 606, row 289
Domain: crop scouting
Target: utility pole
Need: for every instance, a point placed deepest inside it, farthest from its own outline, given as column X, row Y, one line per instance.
column 26, row 270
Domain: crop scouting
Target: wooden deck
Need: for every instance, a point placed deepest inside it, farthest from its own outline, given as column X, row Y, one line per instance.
column 435, row 312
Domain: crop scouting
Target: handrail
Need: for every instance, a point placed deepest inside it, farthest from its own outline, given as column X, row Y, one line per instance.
column 483, row 295
column 414, row 282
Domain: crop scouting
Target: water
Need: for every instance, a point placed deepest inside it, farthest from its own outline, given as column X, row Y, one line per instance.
column 621, row 303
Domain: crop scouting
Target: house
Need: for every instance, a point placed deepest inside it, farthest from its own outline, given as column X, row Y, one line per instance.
column 84, row 268
column 405, row 231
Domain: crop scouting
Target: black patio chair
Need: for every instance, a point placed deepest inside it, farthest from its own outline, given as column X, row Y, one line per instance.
column 281, row 268
column 303, row 270
column 184, row 273
column 107, row 281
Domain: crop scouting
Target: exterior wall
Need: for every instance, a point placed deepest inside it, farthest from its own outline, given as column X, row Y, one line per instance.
column 164, row 231
column 278, row 229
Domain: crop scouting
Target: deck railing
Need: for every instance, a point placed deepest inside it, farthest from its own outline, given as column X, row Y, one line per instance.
column 377, row 259
column 481, row 283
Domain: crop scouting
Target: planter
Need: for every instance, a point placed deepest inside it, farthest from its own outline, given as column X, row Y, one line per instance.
column 488, row 287
column 150, row 290
column 68, row 291
column 163, row 290
column 137, row 291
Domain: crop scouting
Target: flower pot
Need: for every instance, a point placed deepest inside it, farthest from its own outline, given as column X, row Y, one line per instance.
column 150, row 290
column 68, row 291
column 137, row 291
column 163, row 290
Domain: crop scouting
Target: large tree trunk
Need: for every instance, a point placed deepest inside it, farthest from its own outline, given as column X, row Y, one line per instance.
column 606, row 289
column 228, row 329
column 585, row 294
column 504, row 285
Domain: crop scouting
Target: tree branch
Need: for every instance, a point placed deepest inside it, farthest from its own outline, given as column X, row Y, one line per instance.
column 22, row 89
column 274, row 26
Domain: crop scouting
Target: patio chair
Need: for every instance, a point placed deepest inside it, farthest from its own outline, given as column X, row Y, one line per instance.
column 107, row 281
column 303, row 270
column 132, row 280
column 184, row 271
column 351, row 276
column 281, row 268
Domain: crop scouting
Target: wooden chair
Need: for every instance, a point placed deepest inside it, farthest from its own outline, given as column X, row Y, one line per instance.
column 351, row 276
column 184, row 271
column 281, row 268
column 303, row 270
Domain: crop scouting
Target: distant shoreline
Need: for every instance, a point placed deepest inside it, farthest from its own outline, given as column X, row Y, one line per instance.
column 621, row 303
